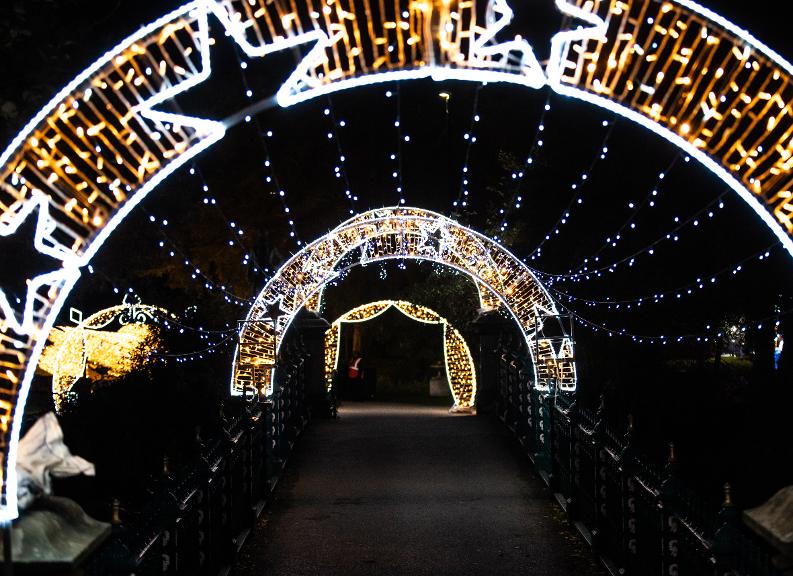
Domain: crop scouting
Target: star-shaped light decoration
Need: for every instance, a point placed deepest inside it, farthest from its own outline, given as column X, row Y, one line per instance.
column 487, row 60
column 25, row 323
column 435, row 242
column 487, row 53
column 274, row 311
column 561, row 40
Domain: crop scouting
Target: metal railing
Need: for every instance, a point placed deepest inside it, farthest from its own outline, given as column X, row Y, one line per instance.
column 638, row 518
column 198, row 517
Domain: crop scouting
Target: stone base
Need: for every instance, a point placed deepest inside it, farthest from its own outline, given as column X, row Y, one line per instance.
column 55, row 535
column 773, row 521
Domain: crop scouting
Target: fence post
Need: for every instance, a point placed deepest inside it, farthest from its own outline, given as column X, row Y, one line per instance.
column 312, row 328
column 489, row 327
column 726, row 537
column 628, row 497
column 599, row 489
column 669, row 500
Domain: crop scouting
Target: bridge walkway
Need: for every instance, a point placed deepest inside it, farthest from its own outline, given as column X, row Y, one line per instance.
column 403, row 489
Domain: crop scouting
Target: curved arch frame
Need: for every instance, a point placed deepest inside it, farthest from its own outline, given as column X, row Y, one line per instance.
column 460, row 370
column 99, row 146
column 399, row 233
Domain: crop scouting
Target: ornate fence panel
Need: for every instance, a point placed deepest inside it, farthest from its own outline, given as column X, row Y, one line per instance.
column 639, row 519
column 198, row 517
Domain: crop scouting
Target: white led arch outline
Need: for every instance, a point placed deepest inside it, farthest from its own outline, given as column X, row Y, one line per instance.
column 385, row 305
column 25, row 351
column 486, row 262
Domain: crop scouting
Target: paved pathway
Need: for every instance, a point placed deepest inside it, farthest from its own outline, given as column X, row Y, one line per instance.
column 398, row 489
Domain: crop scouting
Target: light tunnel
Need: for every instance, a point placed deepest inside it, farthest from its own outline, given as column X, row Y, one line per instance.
column 412, row 234
column 101, row 145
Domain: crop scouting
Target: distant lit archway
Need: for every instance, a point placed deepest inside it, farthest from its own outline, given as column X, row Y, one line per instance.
column 460, row 370
column 401, row 233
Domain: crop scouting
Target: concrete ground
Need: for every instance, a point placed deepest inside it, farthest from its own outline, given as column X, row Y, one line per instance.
column 401, row 489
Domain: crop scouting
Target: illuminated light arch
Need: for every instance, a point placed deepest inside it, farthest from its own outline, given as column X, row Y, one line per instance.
column 99, row 147
column 400, row 233
column 119, row 350
column 460, row 371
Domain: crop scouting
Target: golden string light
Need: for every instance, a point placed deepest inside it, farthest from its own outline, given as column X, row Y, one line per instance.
column 713, row 87
column 460, row 372
column 106, row 345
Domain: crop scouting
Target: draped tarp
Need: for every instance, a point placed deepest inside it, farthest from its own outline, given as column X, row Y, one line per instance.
column 42, row 455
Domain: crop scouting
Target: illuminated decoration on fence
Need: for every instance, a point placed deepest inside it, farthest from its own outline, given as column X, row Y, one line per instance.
column 394, row 233
column 779, row 344
column 106, row 346
column 460, row 372
column 98, row 148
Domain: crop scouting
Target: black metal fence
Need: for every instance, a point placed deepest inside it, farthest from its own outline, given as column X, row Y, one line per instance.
column 638, row 518
column 198, row 517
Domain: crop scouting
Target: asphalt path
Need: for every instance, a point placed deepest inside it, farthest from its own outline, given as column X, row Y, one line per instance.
column 403, row 489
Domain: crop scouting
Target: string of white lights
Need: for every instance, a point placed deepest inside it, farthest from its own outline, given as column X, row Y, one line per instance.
column 650, row 200
column 270, row 177
column 396, row 157
column 168, row 320
column 195, row 354
column 470, row 138
column 708, row 212
column 577, row 199
column 706, row 335
column 195, row 271
column 235, row 230
column 515, row 200
column 339, row 170
column 672, row 294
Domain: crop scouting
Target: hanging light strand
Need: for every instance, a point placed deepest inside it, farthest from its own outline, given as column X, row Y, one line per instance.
column 192, row 268
column 707, row 335
column 673, row 294
column 339, row 170
column 577, row 199
column 271, row 178
column 650, row 200
column 709, row 212
column 396, row 158
column 234, row 228
column 167, row 320
column 196, row 354
column 470, row 138
column 515, row 200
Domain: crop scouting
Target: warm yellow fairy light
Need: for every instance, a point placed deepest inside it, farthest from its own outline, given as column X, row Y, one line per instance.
column 697, row 75
column 460, row 372
column 92, row 350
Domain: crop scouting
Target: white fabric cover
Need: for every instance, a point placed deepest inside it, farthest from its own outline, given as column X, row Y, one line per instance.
column 41, row 456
